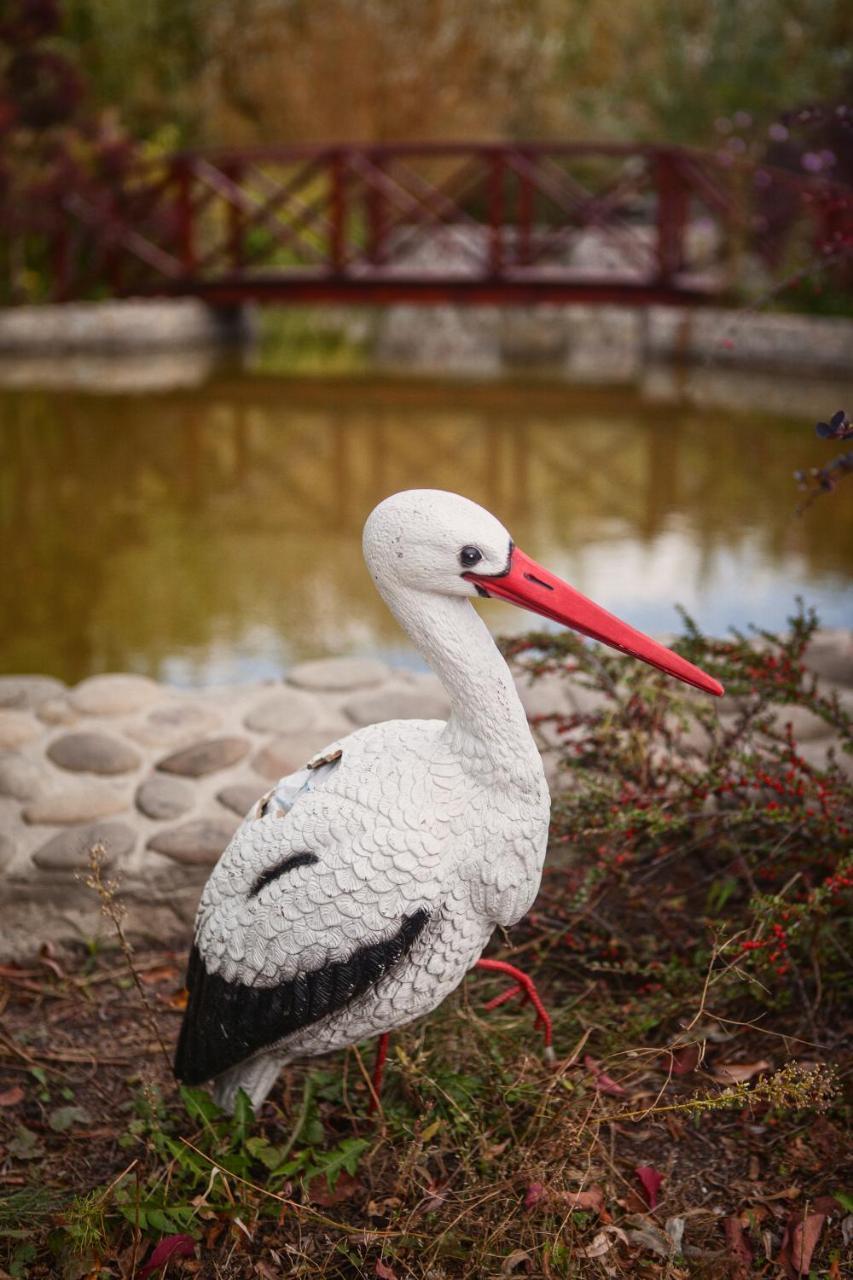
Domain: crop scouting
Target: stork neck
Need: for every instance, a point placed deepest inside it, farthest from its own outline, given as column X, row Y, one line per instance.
column 486, row 711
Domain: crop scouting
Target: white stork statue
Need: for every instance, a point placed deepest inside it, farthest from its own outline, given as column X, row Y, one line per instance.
column 359, row 891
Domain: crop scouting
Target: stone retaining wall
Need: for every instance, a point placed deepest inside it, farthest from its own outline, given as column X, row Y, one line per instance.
column 134, row 324
column 163, row 776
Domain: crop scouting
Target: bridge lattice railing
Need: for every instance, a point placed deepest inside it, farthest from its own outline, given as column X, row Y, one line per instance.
column 347, row 220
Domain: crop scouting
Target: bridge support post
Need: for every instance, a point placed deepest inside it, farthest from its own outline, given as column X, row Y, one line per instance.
column 496, row 212
column 186, row 247
column 236, row 219
column 672, row 216
column 337, row 211
column 375, row 199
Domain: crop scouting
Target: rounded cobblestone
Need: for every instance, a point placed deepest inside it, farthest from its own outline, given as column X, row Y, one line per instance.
column 57, row 711
column 338, row 674
column 830, row 656
column 174, row 725
column 20, row 778
column 163, row 798
column 70, row 850
column 17, row 728
column 93, row 753
column 240, row 797
column 114, row 694
column 289, row 752
column 208, row 756
column 285, row 711
column 80, row 803
column 398, row 702
column 196, row 843
column 7, row 850
column 26, row 693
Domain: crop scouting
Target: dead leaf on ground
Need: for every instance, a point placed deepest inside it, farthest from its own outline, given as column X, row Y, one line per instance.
column 645, row 1235
column 603, row 1082
column 538, row 1194
column 11, row 1097
column 739, row 1072
column 168, row 1248
column 603, row 1242
column 683, row 1060
column 319, row 1192
column 802, row 1234
column 266, row 1271
column 383, row 1271
column 651, row 1182
column 518, row 1258
column 739, row 1248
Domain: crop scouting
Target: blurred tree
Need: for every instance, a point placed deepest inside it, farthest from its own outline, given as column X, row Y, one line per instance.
column 292, row 70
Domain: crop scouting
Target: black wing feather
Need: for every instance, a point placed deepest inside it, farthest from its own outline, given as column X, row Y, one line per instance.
column 227, row 1022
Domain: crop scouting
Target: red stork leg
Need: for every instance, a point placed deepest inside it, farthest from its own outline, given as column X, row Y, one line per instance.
column 526, row 987
column 379, row 1069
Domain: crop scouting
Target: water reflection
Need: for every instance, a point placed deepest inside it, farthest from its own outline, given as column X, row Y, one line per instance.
column 213, row 534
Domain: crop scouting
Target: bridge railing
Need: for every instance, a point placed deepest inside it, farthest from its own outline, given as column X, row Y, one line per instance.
column 499, row 222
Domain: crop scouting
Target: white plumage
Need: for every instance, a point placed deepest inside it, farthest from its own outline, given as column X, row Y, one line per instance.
column 359, row 892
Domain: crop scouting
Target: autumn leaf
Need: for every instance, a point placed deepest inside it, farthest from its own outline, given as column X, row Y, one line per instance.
column 168, row 1248
column 384, row 1272
column 534, row 1193
column 319, row 1192
column 739, row 1072
column 651, row 1182
column 592, row 1199
column 603, row 1082
column 603, row 1242
column 739, row 1248
column 802, row 1235
column 681, row 1061
column 11, row 1097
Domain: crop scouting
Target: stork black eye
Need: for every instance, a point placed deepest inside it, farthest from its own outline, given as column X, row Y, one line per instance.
column 469, row 556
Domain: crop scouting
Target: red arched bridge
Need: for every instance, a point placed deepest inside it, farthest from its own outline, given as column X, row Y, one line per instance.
column 439, row 222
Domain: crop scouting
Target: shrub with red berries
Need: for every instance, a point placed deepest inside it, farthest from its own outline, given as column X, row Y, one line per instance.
column 685, row 830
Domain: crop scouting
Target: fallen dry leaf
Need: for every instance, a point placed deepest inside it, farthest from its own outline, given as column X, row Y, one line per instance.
column 319, row 1192
column 170, row 1247
column 802, row 1234
column 739, row 1249
column 592, row 1199
column 739, row 1072
column 266, row 1271
column 384, row 1272
column 11, row 1097
column 683, row 1060
column 534, row 1193
column 603, row 1242
column 651, row 1182
column 603, row 1082
column 518, row 1258
column 538, row 1193
column 645, row 1235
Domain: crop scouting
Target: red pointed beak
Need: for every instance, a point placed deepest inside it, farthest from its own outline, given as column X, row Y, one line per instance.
column 527, row 584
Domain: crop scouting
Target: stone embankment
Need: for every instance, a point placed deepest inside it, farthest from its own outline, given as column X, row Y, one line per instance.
column 162, row 777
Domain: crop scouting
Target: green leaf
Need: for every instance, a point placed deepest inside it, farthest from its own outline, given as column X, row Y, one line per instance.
column 63, row 1118
column 25, row 1145
column 345, row 1156
column 844, row 1199
column 200, row 1105
column 244, row 1116
column 23, row 1254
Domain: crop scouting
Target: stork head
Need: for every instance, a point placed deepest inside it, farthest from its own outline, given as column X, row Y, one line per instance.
column 441, row 543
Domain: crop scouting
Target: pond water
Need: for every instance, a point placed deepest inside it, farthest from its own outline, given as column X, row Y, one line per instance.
column 213, row 534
